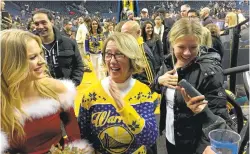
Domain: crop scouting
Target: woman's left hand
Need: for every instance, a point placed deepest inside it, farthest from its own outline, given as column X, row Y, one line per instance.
column 196, row 104
column 115, row 93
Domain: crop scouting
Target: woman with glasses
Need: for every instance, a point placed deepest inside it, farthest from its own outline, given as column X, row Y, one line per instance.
column 117, row 113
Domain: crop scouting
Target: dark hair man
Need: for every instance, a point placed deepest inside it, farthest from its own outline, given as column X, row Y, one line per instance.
column 61, row 52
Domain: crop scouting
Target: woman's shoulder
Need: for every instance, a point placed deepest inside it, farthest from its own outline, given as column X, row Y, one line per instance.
column 142, row 92
column 58, row 86
column 65, row 89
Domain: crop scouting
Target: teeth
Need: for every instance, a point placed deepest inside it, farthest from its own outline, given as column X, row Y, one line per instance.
column 115, row 69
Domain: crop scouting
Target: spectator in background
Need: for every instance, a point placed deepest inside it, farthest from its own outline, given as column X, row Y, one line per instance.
column 231, row 20
column 154, row 43
column 110, row 30
column 144, row 15
column 118, row 27
column 133, row 28
column 81, row 35
column 168, row 21
column 61, row 53
column 87, row 21
column 192, row 13
column 31, row 27
column 204, row 15
column 184, row 10
column 80, row 39
column 6, row 18
column 159, row 26
column 130, row 15
column 206, row 35
column 75, row 25
column 67, row 29
column 216, row 42
column 94, row 45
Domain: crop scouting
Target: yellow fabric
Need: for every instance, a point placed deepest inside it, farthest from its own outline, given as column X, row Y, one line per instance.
column 144, row 96
column 101, row 107
column 127, row 113
column 130, row 3
column 130, row 116
column 87, row 81
column 147, row 68
column 141, row 150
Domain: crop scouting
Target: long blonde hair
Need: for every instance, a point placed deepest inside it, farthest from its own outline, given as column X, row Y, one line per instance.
column 14, row 70
column 232, row 19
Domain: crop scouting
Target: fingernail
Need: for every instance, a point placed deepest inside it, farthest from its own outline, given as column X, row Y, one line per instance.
column 205, row 101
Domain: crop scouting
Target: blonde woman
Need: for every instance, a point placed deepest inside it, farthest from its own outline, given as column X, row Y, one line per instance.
column 186, row 119
column 231, row 20
column 31, row 102
column 117, row 113
column 215, row 33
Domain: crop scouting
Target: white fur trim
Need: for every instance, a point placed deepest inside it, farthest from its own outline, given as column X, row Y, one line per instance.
column 67, row 98
column 3, row 142
column 41, row 108
column 83, row 145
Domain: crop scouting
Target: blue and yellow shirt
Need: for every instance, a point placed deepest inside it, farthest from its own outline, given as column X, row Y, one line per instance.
column 128, row 130
column 94, row 43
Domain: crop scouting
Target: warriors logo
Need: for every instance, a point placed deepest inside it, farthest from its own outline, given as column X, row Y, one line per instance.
column 116, row 139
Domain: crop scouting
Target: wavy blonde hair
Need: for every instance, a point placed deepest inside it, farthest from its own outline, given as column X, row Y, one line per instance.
column 232, row 19
column 128, row 46
column 14, row 70
column 206, row 37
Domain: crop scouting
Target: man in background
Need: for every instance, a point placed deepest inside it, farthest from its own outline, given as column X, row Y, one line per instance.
column 184, row 10
column 206, row 18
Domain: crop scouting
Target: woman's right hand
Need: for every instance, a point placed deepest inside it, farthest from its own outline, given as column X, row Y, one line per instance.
column 168, row 79
column 208, row 150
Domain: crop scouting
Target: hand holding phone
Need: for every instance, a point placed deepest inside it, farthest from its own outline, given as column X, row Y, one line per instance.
column 194, row 99
column 190, row 90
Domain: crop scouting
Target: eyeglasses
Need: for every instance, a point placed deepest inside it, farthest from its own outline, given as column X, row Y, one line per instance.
column 117, row 56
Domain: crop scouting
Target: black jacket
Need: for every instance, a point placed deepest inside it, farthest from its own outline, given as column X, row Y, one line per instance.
column 207, row 20
column 70, row 65
column 142, row 77
column 217, row 45
column 156, row 48
column 205, row 74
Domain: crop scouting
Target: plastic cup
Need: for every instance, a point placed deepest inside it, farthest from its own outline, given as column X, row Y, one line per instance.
column 224, row 141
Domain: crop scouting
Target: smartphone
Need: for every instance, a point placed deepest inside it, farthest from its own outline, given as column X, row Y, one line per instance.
column 190, row 90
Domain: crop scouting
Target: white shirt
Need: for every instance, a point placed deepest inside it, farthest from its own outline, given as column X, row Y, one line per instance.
column 159, row 31
column 170, row 115
column 81, row 34
column 124, row 87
